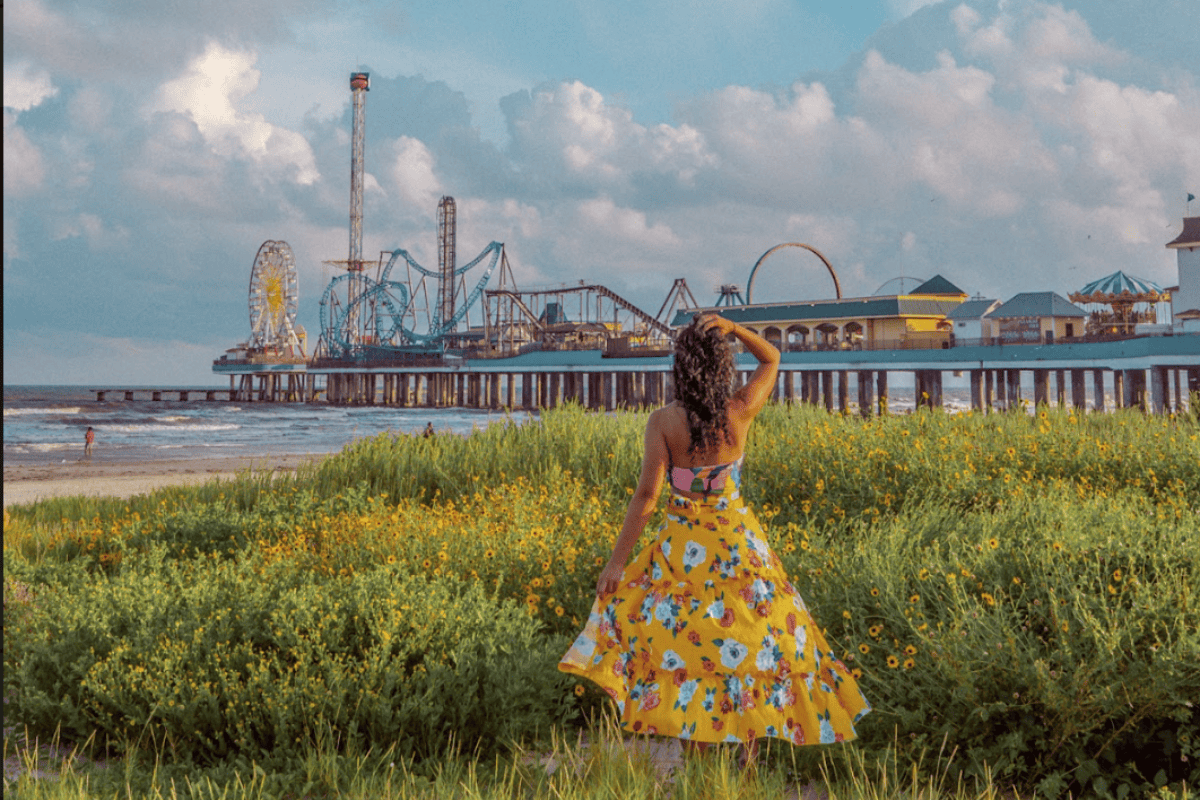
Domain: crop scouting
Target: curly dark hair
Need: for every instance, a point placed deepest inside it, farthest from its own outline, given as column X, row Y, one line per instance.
column 704, row 372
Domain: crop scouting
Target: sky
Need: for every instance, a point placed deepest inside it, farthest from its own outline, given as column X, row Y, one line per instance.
column 150, row 148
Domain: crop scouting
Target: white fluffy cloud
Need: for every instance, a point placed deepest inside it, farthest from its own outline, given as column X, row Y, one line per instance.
column 906, row 8
column 209, row 92
column 1020, row 151
column 26, row 86
column 413, row 173
column 624, row 224
column 23, row 167
column 571, row 128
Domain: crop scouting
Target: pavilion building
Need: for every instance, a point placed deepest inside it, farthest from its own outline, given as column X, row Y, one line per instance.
column 916, row 320
column 1035, row 317
column 972, row 322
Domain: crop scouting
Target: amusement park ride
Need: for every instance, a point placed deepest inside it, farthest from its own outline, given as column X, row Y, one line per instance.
column 389, row 317
column 395, row 311
column 407, row 329
column 275, row 338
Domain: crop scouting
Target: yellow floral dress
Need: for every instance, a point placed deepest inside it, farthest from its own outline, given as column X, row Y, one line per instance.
column 706, row 639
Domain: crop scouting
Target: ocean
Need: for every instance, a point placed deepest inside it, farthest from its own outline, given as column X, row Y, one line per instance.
column 46, row 425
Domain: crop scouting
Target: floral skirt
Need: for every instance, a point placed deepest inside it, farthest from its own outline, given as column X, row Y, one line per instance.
column 706, row 639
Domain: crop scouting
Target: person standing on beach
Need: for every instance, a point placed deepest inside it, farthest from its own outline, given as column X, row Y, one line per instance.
column 702, row 636
column 89, row 439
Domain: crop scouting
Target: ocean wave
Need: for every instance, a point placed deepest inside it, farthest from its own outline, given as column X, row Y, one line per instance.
column 26, row 411
column 194, row 445
column 149, row 428
column 172, row 418
column 41, row 447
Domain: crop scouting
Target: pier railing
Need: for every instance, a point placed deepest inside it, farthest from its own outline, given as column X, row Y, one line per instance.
column 1015, row 338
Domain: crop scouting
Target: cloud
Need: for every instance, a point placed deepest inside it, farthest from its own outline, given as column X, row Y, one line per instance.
column 1133, row 137
column 24, row 170
column 1032, row 47
column 1006, row 145
column 413, row 174
column 906, row 8
column 569, row 127
column 948, row 133
column 132, row 39
column 26, row 87
column 209, row 91
column 624, row 224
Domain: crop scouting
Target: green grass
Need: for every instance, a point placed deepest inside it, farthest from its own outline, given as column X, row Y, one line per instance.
column 596, row 765
column 1020, row 590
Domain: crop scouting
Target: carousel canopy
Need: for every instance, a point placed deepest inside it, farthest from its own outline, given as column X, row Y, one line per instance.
column 1120, row 287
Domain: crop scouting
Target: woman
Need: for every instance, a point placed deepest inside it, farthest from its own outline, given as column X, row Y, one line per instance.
column 702, row 636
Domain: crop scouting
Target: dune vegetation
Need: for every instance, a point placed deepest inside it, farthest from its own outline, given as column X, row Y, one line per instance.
column 1019, row 594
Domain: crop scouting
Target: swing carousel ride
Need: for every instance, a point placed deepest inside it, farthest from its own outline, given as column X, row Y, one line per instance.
column 1118, row 303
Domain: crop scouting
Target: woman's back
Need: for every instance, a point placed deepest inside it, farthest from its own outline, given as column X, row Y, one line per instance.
column 677, row 433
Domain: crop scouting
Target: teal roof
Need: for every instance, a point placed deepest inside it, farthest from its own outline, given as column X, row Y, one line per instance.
column 1038, row 304
column 1119, row 283
column 971, row 309
column 857, row 308
column 937, row 285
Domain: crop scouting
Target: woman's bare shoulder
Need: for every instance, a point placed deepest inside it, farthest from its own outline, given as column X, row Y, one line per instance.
column 672, row 414
column 672, row 423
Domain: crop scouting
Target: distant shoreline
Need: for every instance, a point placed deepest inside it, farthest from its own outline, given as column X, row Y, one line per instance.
column 28, row 483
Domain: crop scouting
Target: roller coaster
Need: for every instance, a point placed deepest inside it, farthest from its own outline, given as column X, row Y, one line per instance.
column 389, row 317
column 566, row 317
column 380, row 316
column 383, row 318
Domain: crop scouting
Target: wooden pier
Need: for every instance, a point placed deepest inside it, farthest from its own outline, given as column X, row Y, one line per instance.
column 1157, row 374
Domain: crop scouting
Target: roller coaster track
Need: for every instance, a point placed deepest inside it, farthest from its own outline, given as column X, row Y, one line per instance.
column 603, row 291
column 837, row 286
column 650, row 321
column 375, row 298
column 516, row 298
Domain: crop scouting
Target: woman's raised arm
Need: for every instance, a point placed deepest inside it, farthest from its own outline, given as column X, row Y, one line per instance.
column 761, row 385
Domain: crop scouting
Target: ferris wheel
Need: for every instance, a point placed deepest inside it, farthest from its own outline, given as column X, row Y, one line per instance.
column 274, row 297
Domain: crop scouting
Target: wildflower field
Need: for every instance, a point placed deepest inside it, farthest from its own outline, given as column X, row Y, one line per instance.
column 1022, row 590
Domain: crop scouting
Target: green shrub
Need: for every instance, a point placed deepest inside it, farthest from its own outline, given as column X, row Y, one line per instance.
column 1055, row 646
column 1040, row 571
column 212, row 658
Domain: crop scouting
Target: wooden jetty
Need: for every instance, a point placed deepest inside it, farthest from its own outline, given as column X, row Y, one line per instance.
column 156, row 395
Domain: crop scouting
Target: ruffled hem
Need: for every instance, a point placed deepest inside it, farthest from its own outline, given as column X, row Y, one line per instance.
column 706, row 639
column 714, row 704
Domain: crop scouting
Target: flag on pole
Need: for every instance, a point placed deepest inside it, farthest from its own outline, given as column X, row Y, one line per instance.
column 1191, row 197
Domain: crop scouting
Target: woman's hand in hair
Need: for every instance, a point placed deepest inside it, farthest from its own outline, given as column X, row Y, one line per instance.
column 710, row 321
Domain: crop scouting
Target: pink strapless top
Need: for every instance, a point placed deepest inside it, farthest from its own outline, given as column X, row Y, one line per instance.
column 706, row 480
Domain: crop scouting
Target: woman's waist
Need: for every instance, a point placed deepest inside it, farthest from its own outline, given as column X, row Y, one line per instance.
column 729, row 499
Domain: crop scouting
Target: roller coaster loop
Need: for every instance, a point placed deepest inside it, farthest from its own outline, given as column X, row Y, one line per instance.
column 387, row 301
column 750, row 281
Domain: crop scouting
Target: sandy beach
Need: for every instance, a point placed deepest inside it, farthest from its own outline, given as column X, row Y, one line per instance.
column 27, row 483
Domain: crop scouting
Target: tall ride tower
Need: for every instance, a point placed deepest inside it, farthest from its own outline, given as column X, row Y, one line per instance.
column 447, row 233
column 360, row 84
